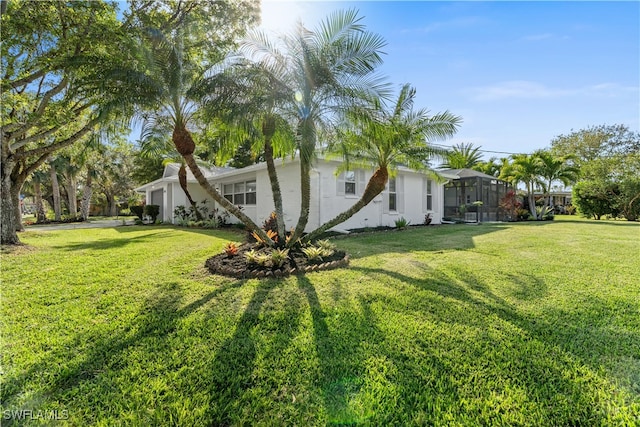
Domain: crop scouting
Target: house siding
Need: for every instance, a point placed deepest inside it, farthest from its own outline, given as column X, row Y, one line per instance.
column 326, row 199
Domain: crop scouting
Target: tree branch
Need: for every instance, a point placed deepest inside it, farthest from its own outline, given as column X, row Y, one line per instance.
column 64, row 143
column 28, row 79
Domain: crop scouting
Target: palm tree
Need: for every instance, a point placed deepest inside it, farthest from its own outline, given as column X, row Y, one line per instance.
column 462, row 156
column 388, row 138
column 490, row 167
column 155, row 144
column 250, row 111
column 555, row 169
column 327, row 71
column 168, row 89
column 525, row 168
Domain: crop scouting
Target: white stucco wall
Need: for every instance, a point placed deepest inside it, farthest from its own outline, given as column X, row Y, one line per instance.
column 326, row 200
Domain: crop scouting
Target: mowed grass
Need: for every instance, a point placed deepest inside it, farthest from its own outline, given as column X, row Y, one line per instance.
column 497, row 324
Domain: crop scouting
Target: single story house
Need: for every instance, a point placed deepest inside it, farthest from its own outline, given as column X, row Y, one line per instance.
column 409, row 194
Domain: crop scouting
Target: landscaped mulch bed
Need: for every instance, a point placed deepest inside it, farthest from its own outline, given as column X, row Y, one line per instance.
column 297, row 263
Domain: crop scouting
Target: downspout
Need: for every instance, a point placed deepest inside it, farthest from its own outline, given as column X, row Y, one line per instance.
column 320, row 222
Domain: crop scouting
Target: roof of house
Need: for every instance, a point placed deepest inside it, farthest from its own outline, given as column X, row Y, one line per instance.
column 171, row 172
column 465, row 173
column 171, row 169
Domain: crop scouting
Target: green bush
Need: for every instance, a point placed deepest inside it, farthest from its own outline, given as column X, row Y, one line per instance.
column 153, row 211
column 402, row 223
column 137, row 211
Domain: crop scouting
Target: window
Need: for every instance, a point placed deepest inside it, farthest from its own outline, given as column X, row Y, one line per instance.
column 429, row 195
column 393, row 195
column 350, row 182
column 241, row 193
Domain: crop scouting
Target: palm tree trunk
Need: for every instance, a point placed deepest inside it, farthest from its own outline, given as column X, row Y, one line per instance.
column 230, row 207
column 87, row 191
column 55, row 187
column 268, row 129
column 374, row 187
column 532, row 201
column 305, row 201
column 182, row 178
column 306, row 133
column 186, row 146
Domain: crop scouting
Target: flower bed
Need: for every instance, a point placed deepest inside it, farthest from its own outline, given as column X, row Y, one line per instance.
column 238, row 266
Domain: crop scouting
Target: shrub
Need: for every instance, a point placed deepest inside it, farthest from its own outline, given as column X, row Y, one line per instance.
column 522, row 214
column 326, row 244
column 402, row 223
column 153, row 211
column 251, row 256
column 570, row 210
column 271, row 234
column 427, row 219
column 137, row 211
column 210, row 223
column 181, row 214
column 544, row 213
column 279, row 257
column 231, row 249
column 596, row 198
column 125, row 212
column 315, row 253
column 270, row 223
column 263, row 259
column 511, row 206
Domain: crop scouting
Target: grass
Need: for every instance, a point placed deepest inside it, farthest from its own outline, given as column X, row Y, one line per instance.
column 497, row 324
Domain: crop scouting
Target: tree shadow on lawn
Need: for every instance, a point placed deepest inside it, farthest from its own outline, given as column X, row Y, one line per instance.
column 242, row 380
column 544, row 357
column 114, row 243
column 440, row 238
column 92, row 360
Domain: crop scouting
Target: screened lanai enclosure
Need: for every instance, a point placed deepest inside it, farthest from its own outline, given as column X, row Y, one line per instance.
column 472, row 196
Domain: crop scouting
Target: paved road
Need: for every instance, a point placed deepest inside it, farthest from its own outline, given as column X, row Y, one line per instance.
column 102, row 223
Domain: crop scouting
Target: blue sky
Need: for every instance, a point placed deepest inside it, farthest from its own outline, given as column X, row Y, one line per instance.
column 519, row 73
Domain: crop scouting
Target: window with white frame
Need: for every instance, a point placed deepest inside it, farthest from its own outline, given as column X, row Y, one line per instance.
column 350, row 183
column 240, row 193
column 429, row 195
column 393, row 195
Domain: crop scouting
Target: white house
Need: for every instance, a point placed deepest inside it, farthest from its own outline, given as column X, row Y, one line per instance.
column 409, row 194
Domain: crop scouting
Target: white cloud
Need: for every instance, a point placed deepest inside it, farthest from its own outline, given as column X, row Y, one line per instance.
column 522, row 89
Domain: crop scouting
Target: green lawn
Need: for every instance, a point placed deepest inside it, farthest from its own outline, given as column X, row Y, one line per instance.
column 497, row 324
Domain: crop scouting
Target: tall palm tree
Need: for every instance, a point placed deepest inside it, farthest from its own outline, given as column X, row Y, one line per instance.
column 554, row 168
column 327, row 71
column 462, row 156
column 168, row 89
column 490, row 167
column 386, row 138
column 155, row 144
column 526, row 168
column 251, row 111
